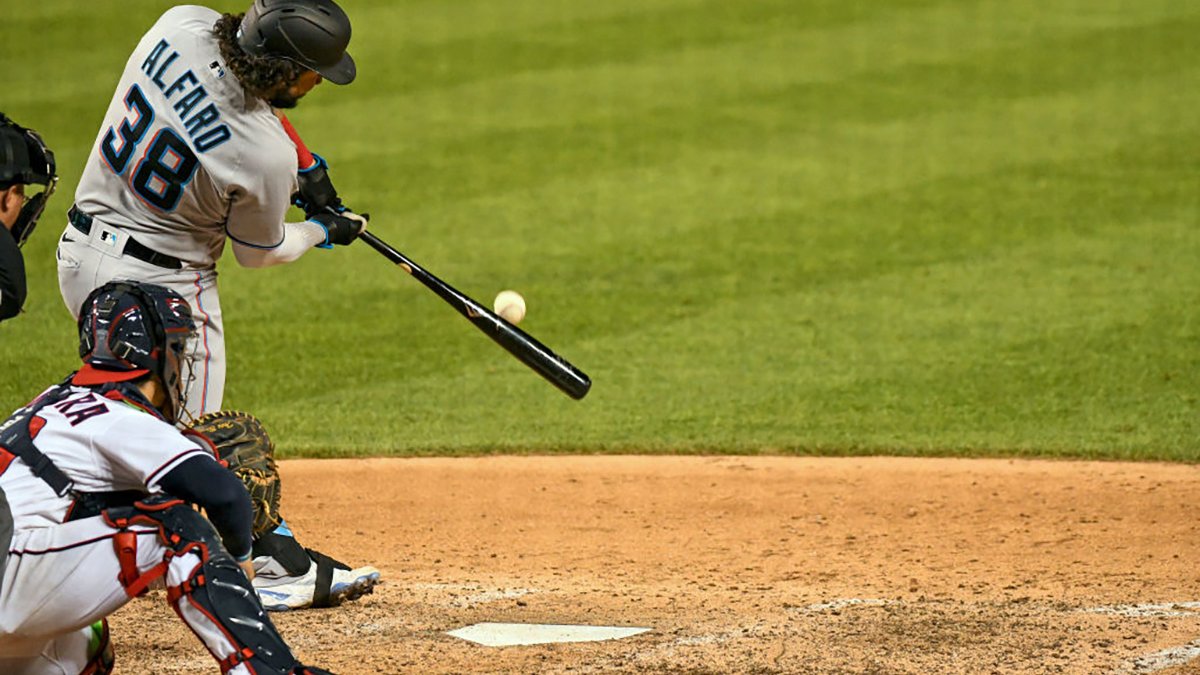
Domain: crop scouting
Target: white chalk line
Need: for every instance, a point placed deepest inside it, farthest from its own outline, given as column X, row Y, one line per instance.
column 1163, row 659
column 1159, row 609
column 1151, row 609
column 1146, row 663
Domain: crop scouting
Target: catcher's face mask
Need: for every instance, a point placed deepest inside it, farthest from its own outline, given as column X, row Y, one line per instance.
column 129, row 329
column 25, row 160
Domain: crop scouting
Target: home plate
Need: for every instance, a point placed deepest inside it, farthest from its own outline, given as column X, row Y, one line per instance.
column 512, row 634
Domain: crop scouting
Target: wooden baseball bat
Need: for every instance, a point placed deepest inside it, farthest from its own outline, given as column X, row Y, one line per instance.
column 537, row 356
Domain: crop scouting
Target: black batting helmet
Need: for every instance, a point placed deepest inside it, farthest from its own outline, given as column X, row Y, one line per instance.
column 25, row 160
column 313, row 33
column 129, row 329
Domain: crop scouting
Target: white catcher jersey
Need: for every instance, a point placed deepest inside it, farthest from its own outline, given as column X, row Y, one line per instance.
column 101, row 444
column 184, row 157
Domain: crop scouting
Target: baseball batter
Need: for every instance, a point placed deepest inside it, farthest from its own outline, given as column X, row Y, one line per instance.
column 98, row 480
column 191, row 155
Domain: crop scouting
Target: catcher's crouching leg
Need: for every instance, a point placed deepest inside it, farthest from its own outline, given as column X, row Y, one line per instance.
column 206, row 587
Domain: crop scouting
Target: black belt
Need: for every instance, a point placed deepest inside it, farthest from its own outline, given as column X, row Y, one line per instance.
column 83, row 222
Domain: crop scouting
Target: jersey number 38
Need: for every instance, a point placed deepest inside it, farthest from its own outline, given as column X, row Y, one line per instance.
column 166, row 167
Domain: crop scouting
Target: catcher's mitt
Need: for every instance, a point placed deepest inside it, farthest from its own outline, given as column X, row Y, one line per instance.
column 244, row 446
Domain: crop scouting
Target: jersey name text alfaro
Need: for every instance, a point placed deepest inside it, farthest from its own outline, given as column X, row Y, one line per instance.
column 157, row 66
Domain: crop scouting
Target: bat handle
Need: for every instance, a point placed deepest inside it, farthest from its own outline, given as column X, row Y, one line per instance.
column 386, row 250
column 380, row 245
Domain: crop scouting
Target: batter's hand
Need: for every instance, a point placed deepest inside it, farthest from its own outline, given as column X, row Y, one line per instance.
column 316, row 190
column 342, row 227
column 248, row 568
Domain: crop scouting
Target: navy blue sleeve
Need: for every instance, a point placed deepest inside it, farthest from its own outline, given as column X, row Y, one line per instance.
column 12, row 276
column 204, row 482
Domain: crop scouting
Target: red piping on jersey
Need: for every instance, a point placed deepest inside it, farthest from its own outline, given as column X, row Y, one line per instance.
column 174, row 462
column 85, row 542
column 200, row 438
column 207, row 352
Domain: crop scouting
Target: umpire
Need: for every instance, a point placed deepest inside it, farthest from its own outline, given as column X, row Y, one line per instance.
column 24, row 160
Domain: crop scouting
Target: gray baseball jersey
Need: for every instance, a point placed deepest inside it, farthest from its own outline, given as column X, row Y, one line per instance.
column 184, row 157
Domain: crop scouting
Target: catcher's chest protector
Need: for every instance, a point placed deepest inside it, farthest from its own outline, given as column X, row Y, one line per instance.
column 16, row 441
column 17, row 436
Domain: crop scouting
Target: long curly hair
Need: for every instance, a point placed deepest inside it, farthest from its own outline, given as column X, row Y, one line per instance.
column 261, row 76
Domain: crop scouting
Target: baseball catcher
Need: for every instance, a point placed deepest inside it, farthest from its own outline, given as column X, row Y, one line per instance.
column 101, row 484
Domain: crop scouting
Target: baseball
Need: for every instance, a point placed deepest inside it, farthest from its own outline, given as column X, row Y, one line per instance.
column 510, row 305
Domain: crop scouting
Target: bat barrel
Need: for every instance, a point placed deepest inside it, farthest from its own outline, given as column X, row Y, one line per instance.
column 526, row 348
column 537, row 356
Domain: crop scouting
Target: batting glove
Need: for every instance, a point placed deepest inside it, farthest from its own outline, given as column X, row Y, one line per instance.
column 342, row 227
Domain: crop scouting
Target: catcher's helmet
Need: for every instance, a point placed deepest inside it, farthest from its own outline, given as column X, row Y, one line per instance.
column 129, row 329
column 25, row 160
column 313, row 33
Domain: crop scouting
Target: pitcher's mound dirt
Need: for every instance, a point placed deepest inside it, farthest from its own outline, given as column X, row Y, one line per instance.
column 740, row 565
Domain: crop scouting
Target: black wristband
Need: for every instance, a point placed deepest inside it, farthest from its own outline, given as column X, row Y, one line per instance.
column 316, row 191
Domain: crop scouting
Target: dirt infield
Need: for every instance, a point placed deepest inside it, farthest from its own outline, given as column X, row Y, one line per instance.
column 740, row 565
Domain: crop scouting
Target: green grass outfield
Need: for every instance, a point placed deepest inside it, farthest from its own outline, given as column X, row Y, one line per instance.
column 813, row 226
